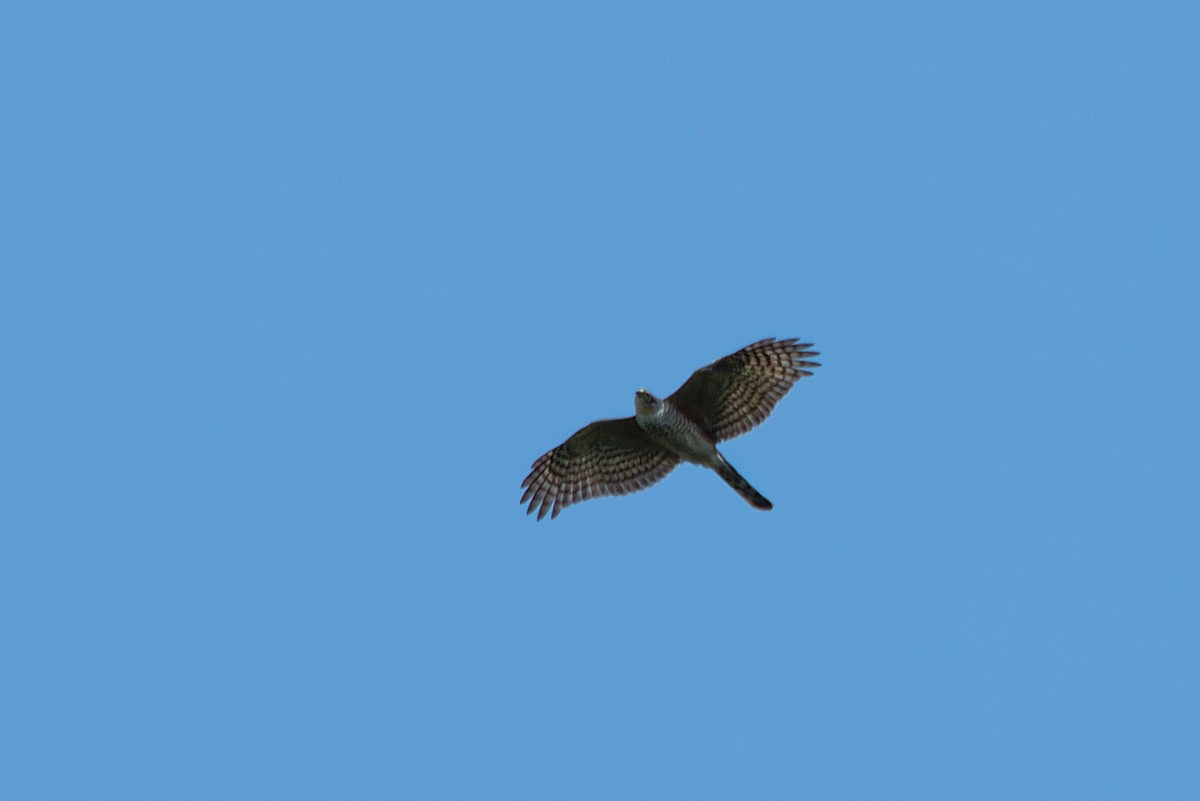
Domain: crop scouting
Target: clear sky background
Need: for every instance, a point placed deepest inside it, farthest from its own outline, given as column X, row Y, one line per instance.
column 293, row 293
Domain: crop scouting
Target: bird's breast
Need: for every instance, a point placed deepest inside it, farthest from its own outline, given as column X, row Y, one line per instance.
column 670, row 429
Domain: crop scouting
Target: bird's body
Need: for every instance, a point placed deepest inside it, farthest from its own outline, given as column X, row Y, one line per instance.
column 671, row 429
column 720, row 401
column 676, row 432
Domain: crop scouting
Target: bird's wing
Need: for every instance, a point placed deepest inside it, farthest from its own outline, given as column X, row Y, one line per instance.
column 735, row 393
column 608, row 457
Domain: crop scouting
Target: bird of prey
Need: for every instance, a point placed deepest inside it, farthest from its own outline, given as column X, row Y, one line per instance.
column 721, row 401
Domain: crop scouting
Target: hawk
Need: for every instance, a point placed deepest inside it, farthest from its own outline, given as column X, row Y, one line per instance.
column 721, row 401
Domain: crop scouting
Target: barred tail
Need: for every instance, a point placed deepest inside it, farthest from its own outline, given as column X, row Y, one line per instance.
column 740, row 485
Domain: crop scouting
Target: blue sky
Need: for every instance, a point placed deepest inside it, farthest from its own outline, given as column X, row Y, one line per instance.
column 295, row 292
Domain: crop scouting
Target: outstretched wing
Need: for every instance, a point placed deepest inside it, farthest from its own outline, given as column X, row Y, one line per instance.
column 735, row 393
column 608, row 457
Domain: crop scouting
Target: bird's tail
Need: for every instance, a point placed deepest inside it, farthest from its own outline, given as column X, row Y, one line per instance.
column 740, row 485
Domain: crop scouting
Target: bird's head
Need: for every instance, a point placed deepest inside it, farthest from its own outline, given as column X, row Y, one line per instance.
column 644, row 403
